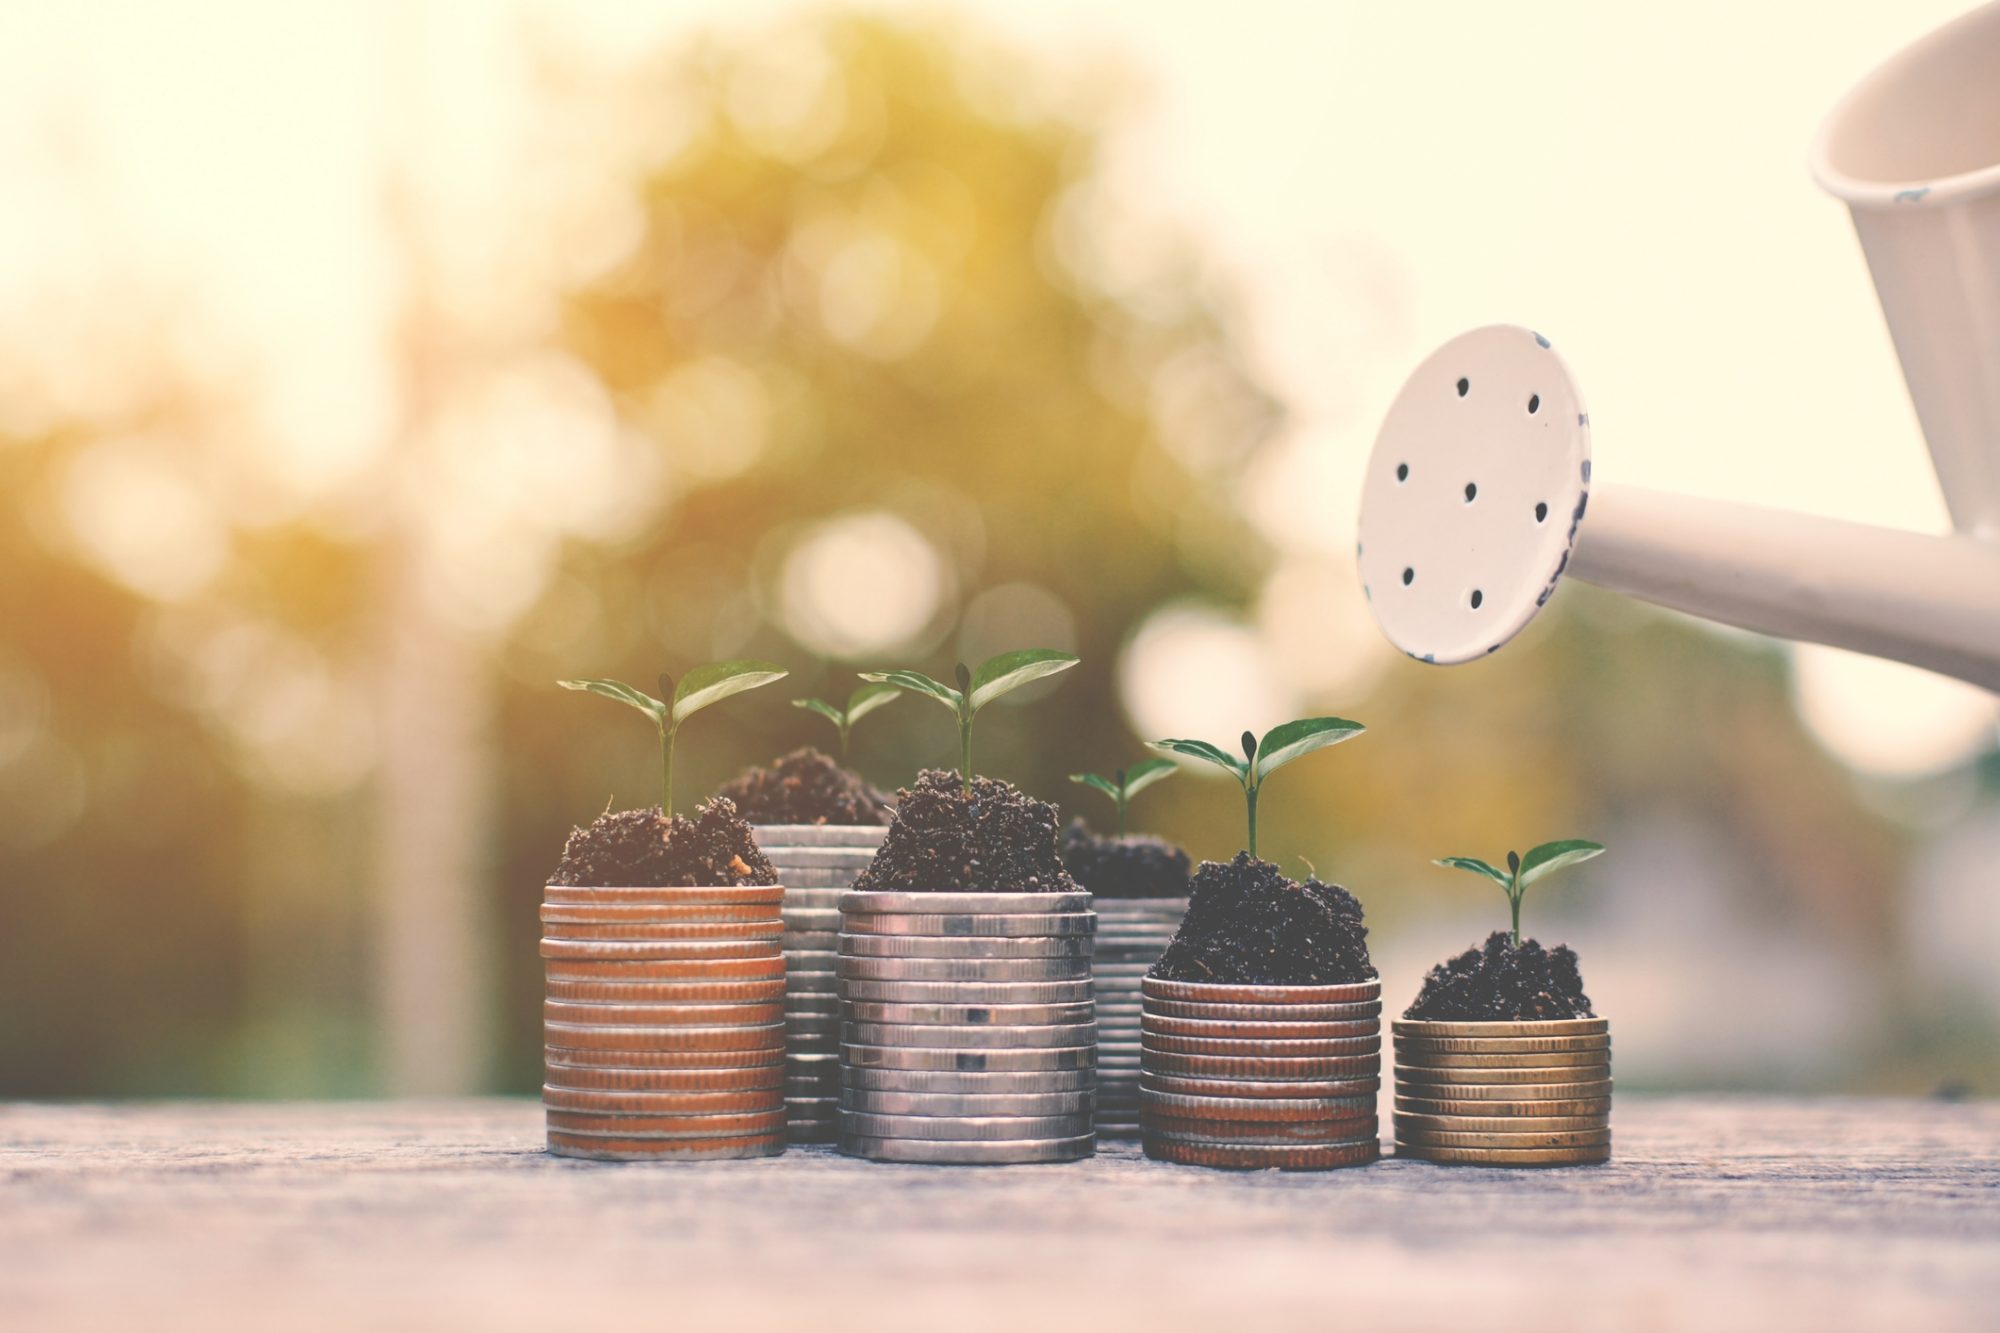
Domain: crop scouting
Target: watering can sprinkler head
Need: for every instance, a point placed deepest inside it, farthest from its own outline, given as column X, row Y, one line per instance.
column 1479, row 496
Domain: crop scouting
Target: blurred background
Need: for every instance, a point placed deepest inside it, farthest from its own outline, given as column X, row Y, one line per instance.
column 365, row 367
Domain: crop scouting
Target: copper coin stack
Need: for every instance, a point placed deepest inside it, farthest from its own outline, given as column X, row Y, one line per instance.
column 664, row 1022
column 1531, row 1093
column 1132, row 933
column 1250, row 1077
column 816, row 863
column 968, row 1030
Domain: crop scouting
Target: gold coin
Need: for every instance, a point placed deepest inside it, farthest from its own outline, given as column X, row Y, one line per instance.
column 1570, row 1107
column 1506, row 1156
column 1256, row 1089
column 713, row 913
column 1362, row 1045
column 1499, row 1124
column 1232, row 1030
column 738, row 895
column 1212, row 992
column 725, row 932
column 571, row 1077
column 665, row 1060
column 1344, row 1130
column 1560, row 1138
column 1316, row 1157
column 1509, row 1060
column 1501, row 1077
column 669, row 992
column 1549, row 1027
column 1268, row 1109
column 645, row 1150
column 604, row 1013
column 619, row 951
column 743, row 1037
column 1509, row 1092
column 665, row 969
column 1500, row 1045
column 583, row 1124
column 606, row 1102
column 1315, row 1069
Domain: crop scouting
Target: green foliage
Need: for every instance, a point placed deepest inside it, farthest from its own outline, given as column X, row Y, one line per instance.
column 860, row 704
column 996, row 676
column 1522, row 871
column 698, row 689
column 1281, row 744
column 1126, row 783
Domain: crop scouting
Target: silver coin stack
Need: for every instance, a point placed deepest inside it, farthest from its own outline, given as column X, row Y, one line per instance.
column 816, row 863
column 1132, row 933
column 969, row 1030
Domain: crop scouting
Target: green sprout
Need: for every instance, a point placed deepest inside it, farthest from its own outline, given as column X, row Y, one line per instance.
column 698, row 689
column 1522, row 871
column 859, row 705
column 976, row 689
column 1126, row 783
column 1281, row 745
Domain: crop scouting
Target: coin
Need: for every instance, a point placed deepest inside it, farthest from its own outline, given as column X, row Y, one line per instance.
column 880, row 1102
column 1539, row 1027
column 1209, row 992
column 1506, row 1156
column 1258, row 1108
column 969, row 1015
column 1568, row 1106
column 733, row 894
column 1499, row 1045
column 962, row 925
column 839, row 879
column 803, row 919
column 669, row 992
column 811, row 960
column 813, row 901
column 1357, row 1011
column 1500, row 1124
column 660, row 1060
column 1491, row 1077
column 1315, row 1157
column 1230, row 1030
column 679, row 969
column 1323, row 1068
column 961, row 1036
column 920, row 1057
column 585, row 1125
column 661, row 1081
column 605, row 1102
column 802, row 980
column 658, row 950
column 972, row 1083
column 806, row 1025
column 712, row 914
column 962, row 1128
column 803, row 1002
column 964, row 969
column 1513, row 1092
column 952, row 903
column 1002, row 1152
column 1570, row 1138
column 786, row 837
column 949, row 946
column 647, row 1150
column 1364, row 1045
column 1517, row 1060
column 745, row 1037
column 968, row 992
column 1259, row 1132
column 724, row 933
column 663, row 1015
column 811, row 941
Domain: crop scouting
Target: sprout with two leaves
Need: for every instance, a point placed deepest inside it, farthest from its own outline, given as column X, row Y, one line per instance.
column 1522, row 871
column 1281, row 745
column 859, row 705
column 976, row 689
column 1126, row 783
column 698, row 689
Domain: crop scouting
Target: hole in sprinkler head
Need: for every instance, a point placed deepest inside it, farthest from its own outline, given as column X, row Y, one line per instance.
column 1477, row 598
column 1464, row 386
column 1409, row 577
column 1541, row 512
column 1534, row 403
column 1402, row 472
column 1471, row 491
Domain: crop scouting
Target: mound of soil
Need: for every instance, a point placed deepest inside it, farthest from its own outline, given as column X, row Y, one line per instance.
column 1249, row 925
column 806, row 787
column 638, row 849
column 1137, row 866
column 998, row 840
column 1500, row 982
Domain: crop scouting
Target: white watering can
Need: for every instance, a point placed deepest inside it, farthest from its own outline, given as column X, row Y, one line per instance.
column 1479, row 494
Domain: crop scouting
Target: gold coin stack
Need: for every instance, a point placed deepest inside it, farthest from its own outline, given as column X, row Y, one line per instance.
column 1531, row 1093
column 1250, row 1077
column 664, row 1024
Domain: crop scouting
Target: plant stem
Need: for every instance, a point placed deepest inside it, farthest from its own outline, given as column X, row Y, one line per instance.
column 1514, row 901
column 1250, row 798
column 843, row 744
column 1121, row 814
column 667, row 772
column 965, row 746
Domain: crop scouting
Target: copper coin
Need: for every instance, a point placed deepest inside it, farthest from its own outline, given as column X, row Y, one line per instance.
column 1546, row 1074
column 1509, row 1092
column 679, row 969
column 1562, row 1138
column 725, row 932
column 1317, row 1157
column 1573, row 1106
column 1213, row 992
column 583, row 1078
column 740, row 1037
column 658, row 950
column 652, row 1150
column 1335, row 1046
column 1258, row 1132
column 669, row 992
column 717, row 914
column 1286, row 1109
column 1324, row 1068
column 735, row 895
column 757, row 1100
column 1500, row 1124
column 1262, row 1089
column 669, row 1126
column 663, row 1015
column 652, row 1060
column 1536, row 1027
column 1231, row 1030
column 1266, row 1013
column 1517, row 1060
column 1499, row 1045
column 1506, row 1156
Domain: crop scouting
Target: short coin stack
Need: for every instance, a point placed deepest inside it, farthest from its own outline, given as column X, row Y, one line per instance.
column 664, row 1022
column 1532, row 1093
column 969, row 1030
column 1132, row 933
column 1261, row 1076
column 816, row 863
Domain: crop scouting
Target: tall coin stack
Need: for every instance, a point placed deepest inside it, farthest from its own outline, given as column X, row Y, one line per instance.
column 1261, row 1076
column 664, row 1022
column 1532, row 1093
column 816, row 863
column 1132, row 933
column 970, row 1035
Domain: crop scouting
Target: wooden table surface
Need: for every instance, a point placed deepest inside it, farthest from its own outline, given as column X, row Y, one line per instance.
column 1717, row 1214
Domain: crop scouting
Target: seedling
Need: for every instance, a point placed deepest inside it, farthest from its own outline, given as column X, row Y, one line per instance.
column 1126, row 783
column 859, row 705
column 698, row 689
column 1281, row 745
column 1522, row 871
column 976, row 689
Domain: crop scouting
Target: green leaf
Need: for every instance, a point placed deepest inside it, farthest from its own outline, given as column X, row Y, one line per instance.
column 1284, row 743
column 623, row 693
column 1203, row 750
column 1477, row 867
column 715, row 682
column 1109, row 788
column 1010, row 671
column 1553, row 856
column 868, row 698
column 1145, row 773
column 824, row 709
column 916, row 682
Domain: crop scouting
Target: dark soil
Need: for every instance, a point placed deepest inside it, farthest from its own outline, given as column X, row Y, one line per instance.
column 1137, row 866
column 1000, row 840
column 806, row 787
column 1249, row 925
column 638, row 849
column 1500, row 982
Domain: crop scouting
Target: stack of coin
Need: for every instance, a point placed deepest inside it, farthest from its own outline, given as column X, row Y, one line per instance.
column 969, row 1032
column 1261, row 1076
column 1532, row 1093
column 816, row 863
column 664, row 1022
column 1132, row 933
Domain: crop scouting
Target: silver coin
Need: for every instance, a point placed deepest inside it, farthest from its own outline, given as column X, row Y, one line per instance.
column 963, row 969
column 811, row 981
column 953, row 903
column 783, row 837
column 962, row 926
column 946, row 946
column 812, row 1024
column 1020, row 1152
column 817, row 877
column 937, row 1103
column 967, row 1084
column 967, row 1062
column 804, row 1003
column 962, row 1128
column 968, row 1015
column 804, row 898
column 810, row 941
column 810, row 918
column 971, row 1036
column 968, row 992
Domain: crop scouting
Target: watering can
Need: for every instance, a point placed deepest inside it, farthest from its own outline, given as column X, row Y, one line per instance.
column 1479, row 496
